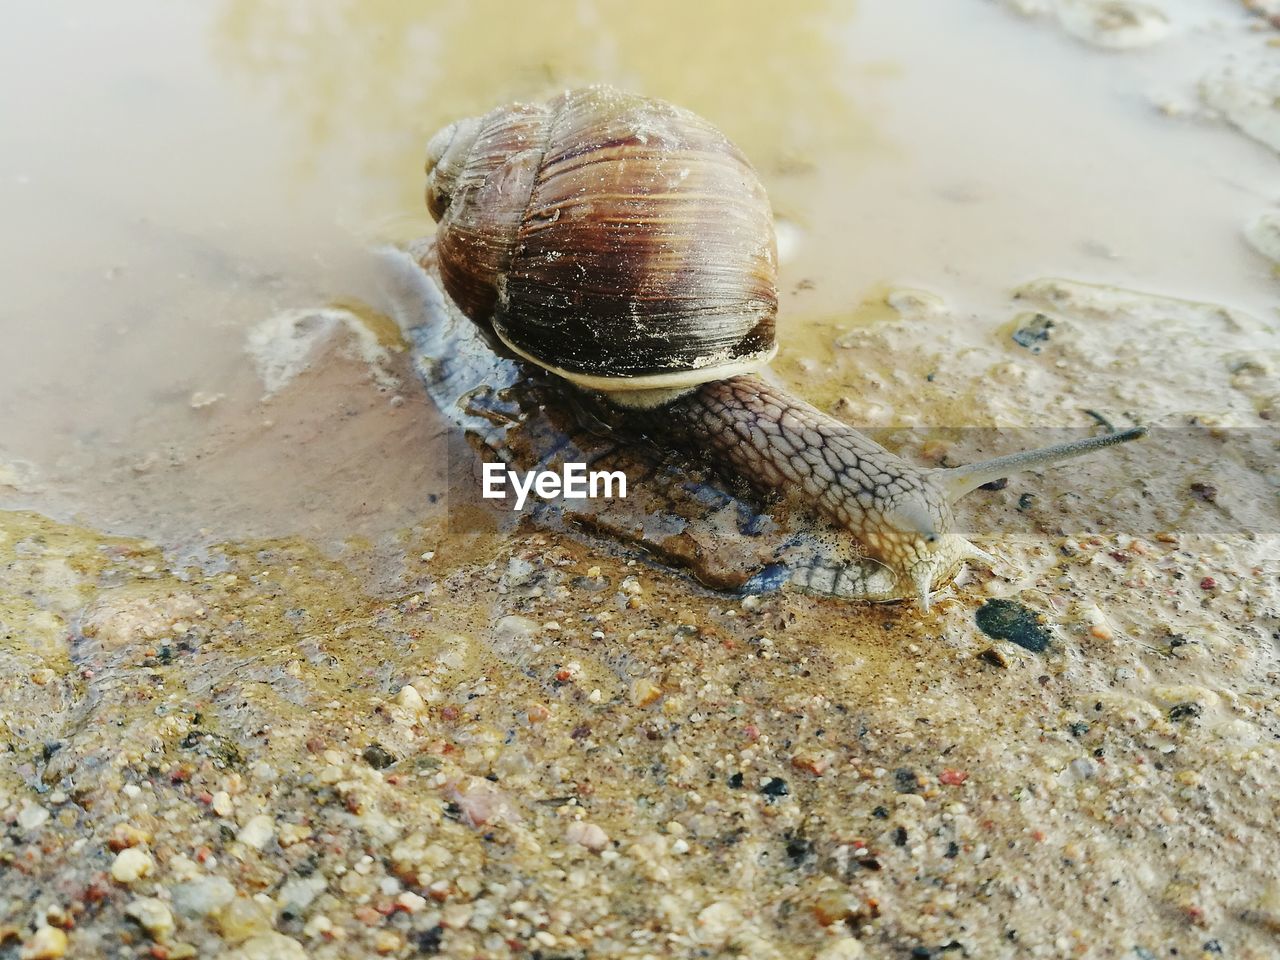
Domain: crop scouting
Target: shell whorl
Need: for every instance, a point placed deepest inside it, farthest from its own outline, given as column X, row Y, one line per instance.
column 619, row 241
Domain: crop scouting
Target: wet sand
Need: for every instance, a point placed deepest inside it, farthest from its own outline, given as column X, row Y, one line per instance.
column 276, row 683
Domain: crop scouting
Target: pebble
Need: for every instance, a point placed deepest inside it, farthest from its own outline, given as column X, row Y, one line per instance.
column 244, row 919
column 833, row 906
column 410, row 698
column 410, row 902
column 257, row 833
column 644, row 692
column 717, row 922
column 317, row 926
column 221, row 804
column 1032, row 331
column 32, row 815
column 387, row 941
column 153, row 916
column 267, row 946
column 775, row 787
column 378, row 756
column 587, row 835
column 299, row 893
column 47, row 943
column 994, row 657
column 198, row 898
column 1010, row 620
column 131, row 864
column 127, row 835
column 846, row 948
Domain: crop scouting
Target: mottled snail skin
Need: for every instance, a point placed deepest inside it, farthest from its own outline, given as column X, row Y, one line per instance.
column 899, row 513
column 627, row 246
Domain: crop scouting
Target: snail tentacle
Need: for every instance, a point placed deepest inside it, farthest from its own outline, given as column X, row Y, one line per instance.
column 959, row 481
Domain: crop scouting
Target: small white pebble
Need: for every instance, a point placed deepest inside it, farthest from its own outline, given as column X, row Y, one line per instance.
column 588, row 835
column 257, row 833
column 153, row 916
column 410, row 698
column 32, row 815
column 221, row 804
column 130, row 864
column 718, row 922
column 318, row 926
column 411, row 902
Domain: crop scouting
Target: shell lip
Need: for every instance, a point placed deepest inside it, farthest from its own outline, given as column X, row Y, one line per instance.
column 675, row 380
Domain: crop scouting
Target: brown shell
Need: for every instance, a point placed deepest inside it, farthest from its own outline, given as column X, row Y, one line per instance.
column 618, row 240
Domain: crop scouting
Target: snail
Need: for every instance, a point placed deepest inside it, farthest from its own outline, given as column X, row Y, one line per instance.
column 626, row 247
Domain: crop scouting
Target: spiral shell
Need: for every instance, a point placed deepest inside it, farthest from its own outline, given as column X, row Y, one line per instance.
column 617, row 240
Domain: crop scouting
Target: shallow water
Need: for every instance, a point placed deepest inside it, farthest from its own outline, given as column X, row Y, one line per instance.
column 171, row 179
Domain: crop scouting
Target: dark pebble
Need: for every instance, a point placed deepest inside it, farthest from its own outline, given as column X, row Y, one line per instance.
column 799, row 849
column 906, row 780
column 377, row 756
column 880, row 813
column 1185, row 710
column 735, row 781
column 775, row 787
column 1013, row 621
column 994, row 657
column 1079, row 728
column 1205, row 491
column 429, row 941
column 1034, row 332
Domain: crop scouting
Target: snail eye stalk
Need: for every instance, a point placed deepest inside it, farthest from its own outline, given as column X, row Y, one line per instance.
column 956, row 482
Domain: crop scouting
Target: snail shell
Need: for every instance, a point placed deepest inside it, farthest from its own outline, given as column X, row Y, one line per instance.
column 616, row 240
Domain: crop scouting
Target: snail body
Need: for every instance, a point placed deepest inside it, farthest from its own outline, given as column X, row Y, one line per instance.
column 627, row 247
